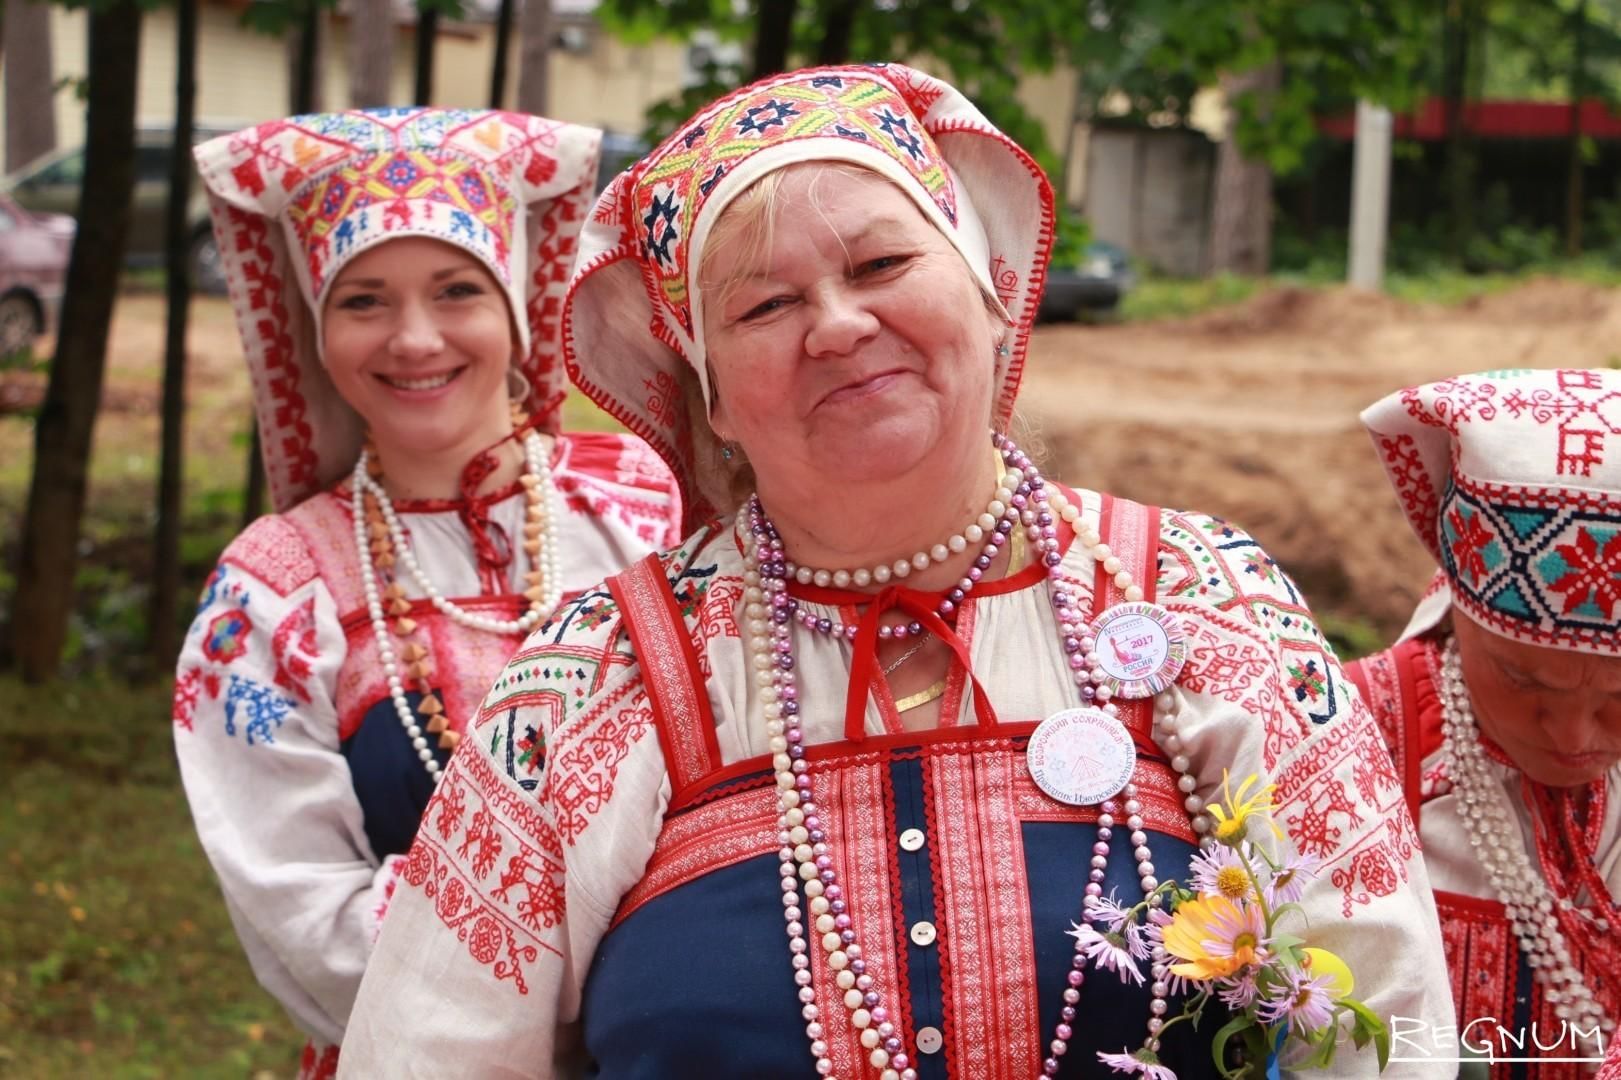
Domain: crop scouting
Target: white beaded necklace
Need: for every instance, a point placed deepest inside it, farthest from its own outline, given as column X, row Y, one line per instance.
column 1497, row 842
column 543, row 597
column 958, row 542
column 805, row 857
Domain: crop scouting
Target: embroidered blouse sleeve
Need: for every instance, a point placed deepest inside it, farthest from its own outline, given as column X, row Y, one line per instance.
column 548, row 813
column 1266, row 695
column 256, row 735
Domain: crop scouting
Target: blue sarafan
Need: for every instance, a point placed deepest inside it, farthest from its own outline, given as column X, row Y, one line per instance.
column 789, row 822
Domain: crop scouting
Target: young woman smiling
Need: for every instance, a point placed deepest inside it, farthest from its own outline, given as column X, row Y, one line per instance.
column 395, row 277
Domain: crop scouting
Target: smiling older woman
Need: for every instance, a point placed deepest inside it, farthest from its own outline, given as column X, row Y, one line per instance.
column 899, row 696
column 1502, row 702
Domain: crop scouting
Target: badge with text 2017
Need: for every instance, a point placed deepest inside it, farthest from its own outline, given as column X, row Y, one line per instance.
column 1140, row 649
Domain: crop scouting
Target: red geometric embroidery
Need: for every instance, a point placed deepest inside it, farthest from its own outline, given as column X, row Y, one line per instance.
column 1412, row 481
column 271, row 550
column 293, row 646
column 1592, row 572
column 484, row 840
column 185, row 698
column 1470, row 540
column 499, row 929
column 717, row 617
column 581, row 773
column 318, row 1064
column 1450, row 402
column 1340, row 800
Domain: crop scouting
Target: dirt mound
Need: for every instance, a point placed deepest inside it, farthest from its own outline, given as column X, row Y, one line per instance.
column 1295, row 310
column 1546, row 300
column 1251, row 414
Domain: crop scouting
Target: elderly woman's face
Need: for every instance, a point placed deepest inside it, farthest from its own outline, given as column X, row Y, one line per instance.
column 1556, row 713
column 852, row 346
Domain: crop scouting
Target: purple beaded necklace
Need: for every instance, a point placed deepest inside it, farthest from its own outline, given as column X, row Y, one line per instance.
column 805, row 859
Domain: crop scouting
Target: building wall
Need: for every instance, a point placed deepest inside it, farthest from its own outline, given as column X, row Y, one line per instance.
column 1148, row 192
column 243, row 76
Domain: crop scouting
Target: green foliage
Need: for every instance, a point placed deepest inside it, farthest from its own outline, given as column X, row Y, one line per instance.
column 1176, row 298
column 1331, row 52
column 1073, row 235
column 278, row 17
column 982, row 48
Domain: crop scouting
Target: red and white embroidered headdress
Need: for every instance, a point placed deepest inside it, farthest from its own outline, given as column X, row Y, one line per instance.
column 1513, row 481
column 294, row 200
column 633, row 323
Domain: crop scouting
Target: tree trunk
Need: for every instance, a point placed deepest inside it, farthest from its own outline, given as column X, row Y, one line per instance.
column 62, row 434
column 371, row 53
column 1578, row 90
column 253, row 486
column 1241, row 203
column 838, row 26
column 503, row 44
column 304, row 54
column 534, row 57
column 773, row 36
column 1458, row 30
column 427, row 37
column 30, row 113
column 162, row 612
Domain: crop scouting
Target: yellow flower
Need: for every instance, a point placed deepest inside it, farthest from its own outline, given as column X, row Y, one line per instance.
column 1214, row 937
column 1232, row 815
column 1321, row 962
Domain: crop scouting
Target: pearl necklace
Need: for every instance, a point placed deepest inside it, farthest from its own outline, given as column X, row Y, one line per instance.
column 956, row 544
column 545, row 588
column 1498, row 844
column 804, row 854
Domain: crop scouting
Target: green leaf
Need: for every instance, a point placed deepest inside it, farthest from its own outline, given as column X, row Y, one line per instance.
column 1369, row 1026
column 1218, row 1045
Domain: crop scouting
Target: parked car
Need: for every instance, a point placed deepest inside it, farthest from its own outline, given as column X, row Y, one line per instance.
column 619, row 152
column 34, row 250
column 51, row 184
column 1097, row 284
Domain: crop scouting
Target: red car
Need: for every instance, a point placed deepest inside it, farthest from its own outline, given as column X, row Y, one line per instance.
column 34, row 250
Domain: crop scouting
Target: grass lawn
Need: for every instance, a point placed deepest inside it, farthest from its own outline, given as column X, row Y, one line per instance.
column 117, row 958
column 116, row 955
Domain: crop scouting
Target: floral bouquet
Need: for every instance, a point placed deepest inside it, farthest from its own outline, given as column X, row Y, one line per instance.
column 1221, row 936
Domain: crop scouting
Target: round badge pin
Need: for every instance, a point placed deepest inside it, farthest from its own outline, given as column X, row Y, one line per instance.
column 1081, row 756
column 1140, row 649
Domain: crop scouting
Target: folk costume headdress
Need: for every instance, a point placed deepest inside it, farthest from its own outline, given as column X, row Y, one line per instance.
column 294, row 200
column 1513, row 481
column 633, row 323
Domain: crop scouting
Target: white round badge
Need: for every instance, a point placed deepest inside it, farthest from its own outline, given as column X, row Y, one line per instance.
column 1140, row 649
column 1081, row 756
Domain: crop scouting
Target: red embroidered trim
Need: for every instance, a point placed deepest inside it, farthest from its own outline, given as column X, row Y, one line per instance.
column 501, row 925
column 686, row 725
column 703, row 839
column 983, row 917
column 318, row 1062
column 272, row 551
column 1365, row 836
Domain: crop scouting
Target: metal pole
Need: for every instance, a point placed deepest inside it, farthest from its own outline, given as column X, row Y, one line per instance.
column 1370, row 196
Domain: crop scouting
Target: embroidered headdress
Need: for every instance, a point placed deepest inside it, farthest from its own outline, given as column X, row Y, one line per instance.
column 1513, row 481
column 633, row 323
column 294, row 200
